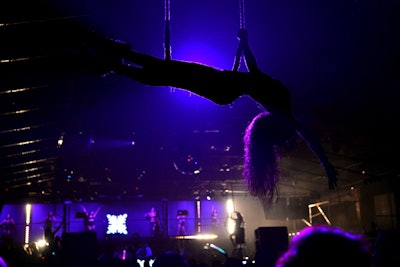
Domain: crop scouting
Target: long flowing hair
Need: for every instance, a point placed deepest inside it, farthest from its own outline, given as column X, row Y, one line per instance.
column 262, row 139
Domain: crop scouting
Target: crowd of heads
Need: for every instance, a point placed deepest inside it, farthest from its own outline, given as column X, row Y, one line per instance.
column 318, row 245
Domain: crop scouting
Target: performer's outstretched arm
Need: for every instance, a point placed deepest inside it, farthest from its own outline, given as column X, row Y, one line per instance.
column 249, row 57
column 84, row 209
column 97, row 211
column 317, row 149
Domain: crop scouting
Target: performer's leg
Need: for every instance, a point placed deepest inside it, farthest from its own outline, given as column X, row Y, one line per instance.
column 199, row 79
column 231, row 237
column 142, row 59
column 137, row 74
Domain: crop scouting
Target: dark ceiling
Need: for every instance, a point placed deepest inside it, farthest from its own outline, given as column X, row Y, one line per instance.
column 340, row 59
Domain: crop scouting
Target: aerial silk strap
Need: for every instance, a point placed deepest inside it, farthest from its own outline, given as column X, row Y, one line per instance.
column 242, row 25
column 167, row 32
column 241, row 14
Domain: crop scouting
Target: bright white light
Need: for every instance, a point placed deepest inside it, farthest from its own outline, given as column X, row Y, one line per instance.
column 60, row 142
column 151, row 261
column 117, row 224
column 141, row 262
column 229, row 206
column 28, row 210
column 27, row 230
column 230, row 224
column 41, row 243
column 198, row 237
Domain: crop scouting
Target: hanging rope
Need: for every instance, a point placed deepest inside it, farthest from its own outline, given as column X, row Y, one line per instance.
column 242, row 25
column 241, row 15
column 167, row 32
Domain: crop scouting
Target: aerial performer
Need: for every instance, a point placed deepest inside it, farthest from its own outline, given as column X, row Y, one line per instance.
column 267, row 132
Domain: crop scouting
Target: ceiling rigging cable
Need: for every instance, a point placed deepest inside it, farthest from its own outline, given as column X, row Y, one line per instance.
column 167, row 31
column 242, row 25
column 167, row 34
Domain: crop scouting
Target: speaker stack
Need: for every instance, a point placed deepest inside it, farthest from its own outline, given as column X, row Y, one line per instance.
column 79, row 249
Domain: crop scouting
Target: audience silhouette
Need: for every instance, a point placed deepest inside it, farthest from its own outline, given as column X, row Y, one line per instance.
column 170, row 259
column 327, row 246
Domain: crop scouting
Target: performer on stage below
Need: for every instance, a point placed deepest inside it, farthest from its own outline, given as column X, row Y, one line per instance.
column 214, row 219
column 7, row 231
column 48, row 227
column 181, row 217
column 90, row 218
column 237, row 237
column 154, row 219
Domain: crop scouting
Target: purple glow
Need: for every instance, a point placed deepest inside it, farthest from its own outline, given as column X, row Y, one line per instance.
column 203, row 51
